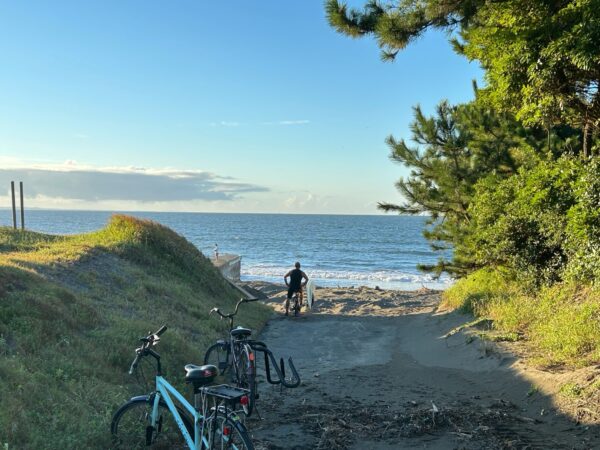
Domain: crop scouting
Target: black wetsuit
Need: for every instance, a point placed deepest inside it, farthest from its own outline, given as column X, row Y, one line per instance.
column 295, row 282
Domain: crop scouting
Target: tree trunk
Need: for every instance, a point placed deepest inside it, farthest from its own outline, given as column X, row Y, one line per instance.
column 586, row 132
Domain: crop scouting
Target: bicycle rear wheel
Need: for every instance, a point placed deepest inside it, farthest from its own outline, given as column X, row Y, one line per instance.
column 218, row 355
column 296, row 305
column 131, row 428
column 227, row 432
column 246, row 372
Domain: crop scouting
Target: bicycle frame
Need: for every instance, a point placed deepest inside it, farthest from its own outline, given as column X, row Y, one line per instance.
column 233, row 354
column 164, row 390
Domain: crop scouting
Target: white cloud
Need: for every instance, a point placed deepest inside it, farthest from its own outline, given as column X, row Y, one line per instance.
column 306, row 202
column 85, row 183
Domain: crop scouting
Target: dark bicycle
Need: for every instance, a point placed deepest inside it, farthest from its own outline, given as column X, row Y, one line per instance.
column 236, row 356
column 296, row 303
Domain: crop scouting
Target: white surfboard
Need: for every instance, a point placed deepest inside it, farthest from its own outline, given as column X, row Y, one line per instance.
column 310, row 293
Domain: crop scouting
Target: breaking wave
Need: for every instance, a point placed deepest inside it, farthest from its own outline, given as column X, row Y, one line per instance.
column 325, row 277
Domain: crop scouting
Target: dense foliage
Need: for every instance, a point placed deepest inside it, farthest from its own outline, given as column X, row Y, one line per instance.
column 543, row 222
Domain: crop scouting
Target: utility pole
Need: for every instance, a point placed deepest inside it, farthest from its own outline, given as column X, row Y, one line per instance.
column 14, row 206
column 22, row 207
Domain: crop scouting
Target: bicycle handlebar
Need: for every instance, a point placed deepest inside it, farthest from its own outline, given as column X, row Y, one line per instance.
column 237, row 306
column 149, row 341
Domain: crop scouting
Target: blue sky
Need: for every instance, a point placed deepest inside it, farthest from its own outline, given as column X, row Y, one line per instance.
column 207, row 106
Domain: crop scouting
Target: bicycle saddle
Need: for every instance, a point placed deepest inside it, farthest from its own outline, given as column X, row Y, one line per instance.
column 200, row 375
column 240, row 332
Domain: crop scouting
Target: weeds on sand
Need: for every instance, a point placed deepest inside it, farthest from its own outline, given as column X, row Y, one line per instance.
column 338, row 425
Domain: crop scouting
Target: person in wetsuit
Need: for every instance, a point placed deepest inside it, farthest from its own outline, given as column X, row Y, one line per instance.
column 294, row 285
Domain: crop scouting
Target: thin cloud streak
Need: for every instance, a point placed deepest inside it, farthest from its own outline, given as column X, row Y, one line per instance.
column 225, row 123
column 287, row 122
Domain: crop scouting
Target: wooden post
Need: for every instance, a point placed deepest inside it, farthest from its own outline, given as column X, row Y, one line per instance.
column 14, row 206
column 22, row 207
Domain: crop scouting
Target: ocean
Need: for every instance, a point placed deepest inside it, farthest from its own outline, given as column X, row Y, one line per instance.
column 334, row 250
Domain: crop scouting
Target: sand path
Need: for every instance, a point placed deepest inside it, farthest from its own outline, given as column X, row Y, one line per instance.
column 378, row 373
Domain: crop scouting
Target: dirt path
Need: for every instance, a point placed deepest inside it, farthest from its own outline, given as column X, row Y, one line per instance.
column 378, row 374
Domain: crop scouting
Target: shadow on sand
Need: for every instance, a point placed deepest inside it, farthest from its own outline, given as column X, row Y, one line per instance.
column 393, row 382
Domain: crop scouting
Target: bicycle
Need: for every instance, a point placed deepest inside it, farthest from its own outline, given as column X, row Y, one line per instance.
column 236, row 355
column 296, row 305
column 155, row 420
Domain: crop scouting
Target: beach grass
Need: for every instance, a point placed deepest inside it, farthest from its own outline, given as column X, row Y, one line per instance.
column 560, row 324
column 71, row 311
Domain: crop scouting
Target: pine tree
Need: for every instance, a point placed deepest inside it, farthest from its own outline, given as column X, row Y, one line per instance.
column 454, row 149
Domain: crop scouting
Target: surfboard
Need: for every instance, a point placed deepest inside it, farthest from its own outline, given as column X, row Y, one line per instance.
column 310, row 293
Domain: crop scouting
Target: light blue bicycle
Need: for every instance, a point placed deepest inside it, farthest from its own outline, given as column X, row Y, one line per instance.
column 154, row 420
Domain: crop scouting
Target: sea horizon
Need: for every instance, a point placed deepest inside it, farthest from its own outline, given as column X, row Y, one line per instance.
column 335, row 249
column 126, row 211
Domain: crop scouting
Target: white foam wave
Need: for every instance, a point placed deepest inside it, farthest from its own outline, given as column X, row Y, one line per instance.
column 388, row 278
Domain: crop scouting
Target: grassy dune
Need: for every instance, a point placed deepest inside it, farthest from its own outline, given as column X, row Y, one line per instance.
column 71, row 311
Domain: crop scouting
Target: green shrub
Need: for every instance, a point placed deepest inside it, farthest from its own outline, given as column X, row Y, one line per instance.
column 543, row 223
column 473, row 293
column 583, row 228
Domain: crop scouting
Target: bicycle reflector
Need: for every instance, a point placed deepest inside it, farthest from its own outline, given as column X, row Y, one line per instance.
column 244, row 400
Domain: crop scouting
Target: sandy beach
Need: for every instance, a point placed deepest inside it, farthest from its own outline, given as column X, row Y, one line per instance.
column 385, row 369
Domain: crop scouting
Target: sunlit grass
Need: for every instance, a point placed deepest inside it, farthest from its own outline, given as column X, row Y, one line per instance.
column 561, row 324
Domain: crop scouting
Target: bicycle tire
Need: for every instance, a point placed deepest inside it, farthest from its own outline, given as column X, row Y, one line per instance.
column 218, row 356
column 246, row 376
column 237, row 436
column 129, row 427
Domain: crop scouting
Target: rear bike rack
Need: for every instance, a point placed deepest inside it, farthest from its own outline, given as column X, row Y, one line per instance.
column 259, row 346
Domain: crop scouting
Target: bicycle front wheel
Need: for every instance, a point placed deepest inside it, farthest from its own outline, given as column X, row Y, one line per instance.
column 227, row 432
column 131, row 427
column 246, row 372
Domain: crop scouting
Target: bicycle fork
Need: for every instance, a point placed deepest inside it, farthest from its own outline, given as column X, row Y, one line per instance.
column 154, row 422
